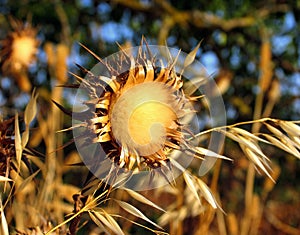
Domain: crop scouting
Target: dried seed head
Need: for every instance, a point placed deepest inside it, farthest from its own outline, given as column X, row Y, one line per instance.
column 23, row 50
column 137, row 114
column 18, row 51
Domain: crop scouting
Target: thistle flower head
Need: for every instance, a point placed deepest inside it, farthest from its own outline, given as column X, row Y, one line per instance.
column 136, row 115
column 18, row 51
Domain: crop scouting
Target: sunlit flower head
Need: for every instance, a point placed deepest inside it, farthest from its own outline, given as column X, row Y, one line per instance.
column 18, row 51
column 137, row 113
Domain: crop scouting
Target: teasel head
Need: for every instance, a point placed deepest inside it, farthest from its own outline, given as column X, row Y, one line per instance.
column 18, row 52
column 136, row 113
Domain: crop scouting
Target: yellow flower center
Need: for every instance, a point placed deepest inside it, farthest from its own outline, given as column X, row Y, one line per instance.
column 23, row 50
column 148, row 122
column 141, row 115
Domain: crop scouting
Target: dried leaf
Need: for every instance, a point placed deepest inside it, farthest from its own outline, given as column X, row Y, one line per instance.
column 3, row 178
column 269, row 184
column 113, row 222
column 291, row 128
column 142, row 199
column 134, row 211
column 207, row 193
column 97, row 221
column 274, row 130
column 25, row 137
column 291, row 145
column 247, row 134
column 255, row 159
column 3, row 225
column 191, row 56
column 191, row 184
column 277, row 142
column 30, row 110
column 27, row 181
column 18, row 143
column 280, row 144
column 242, row 141
column 209, row 153
column 103, row 220
column 255, row 148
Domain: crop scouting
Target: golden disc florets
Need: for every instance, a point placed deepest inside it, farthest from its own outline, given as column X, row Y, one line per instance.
column 141, row 115
column 137, row 115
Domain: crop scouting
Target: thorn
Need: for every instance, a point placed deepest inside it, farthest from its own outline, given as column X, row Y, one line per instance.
column 68, row 112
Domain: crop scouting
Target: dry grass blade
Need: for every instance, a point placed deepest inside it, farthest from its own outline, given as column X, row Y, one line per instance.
column 209, row 153
column 4, row 179
column 27, row 181
column 98, row 222
column 18, row 145
column 274, row 130
column 296, row 140
column 248, row 144
column 143, row 226
column 134, row 211
column 255, row 159
column 207, row 194
column 107, row 220
column 291, row 128
column 142, row 199
column 113, row 223
column 247, row 134
column 3, row 225
column 72, row 217
column 279, row 144
column 291, row 146
column 29, row 115
column 252, row 147
column 30, row 110
column 25, row 137
column 191, row 184
column 191, row 56
column 255, row 148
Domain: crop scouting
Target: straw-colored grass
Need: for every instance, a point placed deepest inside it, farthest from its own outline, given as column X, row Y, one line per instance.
column 50, row 192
